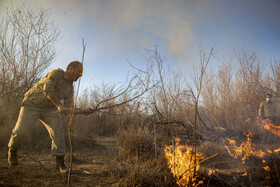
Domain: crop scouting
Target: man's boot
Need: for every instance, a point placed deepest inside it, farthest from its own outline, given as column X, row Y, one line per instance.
column 12, row 157
column 60, row 165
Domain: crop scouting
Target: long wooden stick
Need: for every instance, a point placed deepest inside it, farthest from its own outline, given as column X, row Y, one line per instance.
column 71, row 117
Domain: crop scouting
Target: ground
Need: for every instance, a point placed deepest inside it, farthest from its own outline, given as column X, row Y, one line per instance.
column 94, row 164
column 38, row 169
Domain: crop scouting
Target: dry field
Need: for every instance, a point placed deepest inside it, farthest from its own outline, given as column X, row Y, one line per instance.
column 96, row 163
column 90, row 166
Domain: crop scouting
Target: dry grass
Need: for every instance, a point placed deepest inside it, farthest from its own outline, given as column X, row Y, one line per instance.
column 137, row 160
column 135, row 141
column 153, row 172
column 134, row 172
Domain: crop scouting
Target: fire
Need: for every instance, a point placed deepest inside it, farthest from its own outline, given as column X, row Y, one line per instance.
column 273, row 151
column 267, row 168
column 245, row 149
column 277, row 150
column 212, row 171
column 182, row 163
column 270, row 126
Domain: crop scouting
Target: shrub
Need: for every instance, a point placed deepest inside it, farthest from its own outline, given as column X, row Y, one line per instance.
column 135, row 141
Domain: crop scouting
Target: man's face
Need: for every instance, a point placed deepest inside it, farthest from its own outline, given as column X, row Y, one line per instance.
column 76, row 72
column 268, row 98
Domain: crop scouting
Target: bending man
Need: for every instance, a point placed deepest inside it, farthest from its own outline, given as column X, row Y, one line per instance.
column 43, row 102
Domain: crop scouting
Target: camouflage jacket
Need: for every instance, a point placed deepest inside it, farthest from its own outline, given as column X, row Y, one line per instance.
column 267, row 110
column 56, row 81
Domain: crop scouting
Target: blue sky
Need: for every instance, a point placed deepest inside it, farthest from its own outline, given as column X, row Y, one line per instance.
column 119, row 30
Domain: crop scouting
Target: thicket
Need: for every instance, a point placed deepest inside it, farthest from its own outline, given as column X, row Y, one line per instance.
column 27, row 38
column 221, row 100
column 147, row 112
column 230, row 96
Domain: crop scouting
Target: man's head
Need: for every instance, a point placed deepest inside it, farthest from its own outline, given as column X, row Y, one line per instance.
column 74, row 70
column 268, row 97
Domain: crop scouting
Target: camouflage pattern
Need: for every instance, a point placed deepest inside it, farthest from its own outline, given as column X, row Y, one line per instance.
column 268, row 110
column 36, row 106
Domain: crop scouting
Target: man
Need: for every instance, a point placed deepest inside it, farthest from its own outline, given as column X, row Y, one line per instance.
column 43, row 102
column 267, row 109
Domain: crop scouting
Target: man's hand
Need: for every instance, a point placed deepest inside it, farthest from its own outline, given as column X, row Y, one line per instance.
column 63, row 110
column 53, row 98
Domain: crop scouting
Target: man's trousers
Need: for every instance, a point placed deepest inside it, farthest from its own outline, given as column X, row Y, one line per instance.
column 28, row 115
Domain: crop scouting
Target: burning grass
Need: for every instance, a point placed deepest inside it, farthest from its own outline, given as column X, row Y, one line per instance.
column 246, row 149
column 183, row 162
column 260, row 160
column 262, row 165
column 270, row 126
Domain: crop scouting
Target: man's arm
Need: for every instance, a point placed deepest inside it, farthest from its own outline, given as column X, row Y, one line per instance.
column 64, row 110
column 53, row 98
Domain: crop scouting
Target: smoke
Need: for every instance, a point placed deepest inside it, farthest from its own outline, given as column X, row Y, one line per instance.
column 141, row 24
column 178, row 27
column 124, row 26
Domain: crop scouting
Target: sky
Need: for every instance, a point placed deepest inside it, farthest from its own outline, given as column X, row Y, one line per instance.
column 120, row 31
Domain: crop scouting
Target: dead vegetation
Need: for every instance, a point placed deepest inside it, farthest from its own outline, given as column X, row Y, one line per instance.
column 27, row 38
column 122, row 143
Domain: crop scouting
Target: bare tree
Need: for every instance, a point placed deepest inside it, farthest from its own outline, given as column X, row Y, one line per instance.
column 226, row 96
column 198, row 81
column 249, row 85
column 275, row 79
column 27, row 37
column 119, row 98
column 239, row 87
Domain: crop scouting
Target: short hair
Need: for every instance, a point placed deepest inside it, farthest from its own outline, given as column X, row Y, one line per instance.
column 268, row 94
column 74, row 64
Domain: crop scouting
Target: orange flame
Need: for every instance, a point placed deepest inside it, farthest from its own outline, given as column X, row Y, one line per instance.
column 270, row 126
column 182, row 163
column 273, row 151
column 267, row 168
column 212, row 171
column 245, row 149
